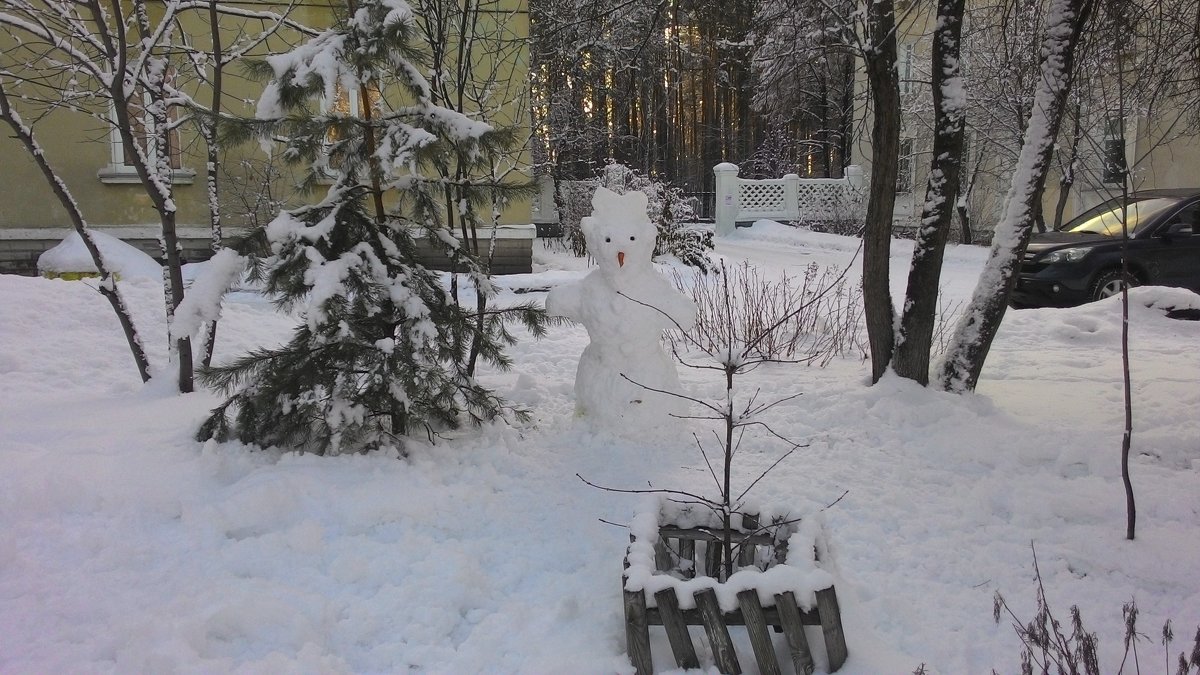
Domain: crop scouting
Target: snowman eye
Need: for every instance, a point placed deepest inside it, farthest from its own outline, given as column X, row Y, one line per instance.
column 607, row 239
column 631, row 239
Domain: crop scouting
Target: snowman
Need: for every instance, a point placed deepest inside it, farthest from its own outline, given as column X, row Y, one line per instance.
column 625, row 305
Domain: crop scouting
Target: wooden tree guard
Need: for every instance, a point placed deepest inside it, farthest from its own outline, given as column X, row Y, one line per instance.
column 691, row 551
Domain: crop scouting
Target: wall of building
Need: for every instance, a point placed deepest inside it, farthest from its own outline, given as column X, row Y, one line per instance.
column 78, row 146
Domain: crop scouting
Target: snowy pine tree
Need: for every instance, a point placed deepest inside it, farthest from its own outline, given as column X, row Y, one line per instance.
column 385, row 350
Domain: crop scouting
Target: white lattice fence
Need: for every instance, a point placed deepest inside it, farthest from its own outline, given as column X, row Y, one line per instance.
column 761, row 196
column 789, row 198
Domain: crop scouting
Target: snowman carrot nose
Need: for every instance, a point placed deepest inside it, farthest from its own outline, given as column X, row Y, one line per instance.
column 621, row 258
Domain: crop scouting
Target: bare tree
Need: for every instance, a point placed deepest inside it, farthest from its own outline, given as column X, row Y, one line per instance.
column 803, row 87
column 81, row 56
column 117, row 66
column 491, row 90
column 208, row 67
column 1159, row 82
column 981, row 320
column 879, row 52
column 915, row 337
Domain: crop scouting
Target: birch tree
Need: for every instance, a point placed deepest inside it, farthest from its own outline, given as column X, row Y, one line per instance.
column 208, row 66
column 915, row 335
column 480, row 69
column 117, row 66
column 977, row 328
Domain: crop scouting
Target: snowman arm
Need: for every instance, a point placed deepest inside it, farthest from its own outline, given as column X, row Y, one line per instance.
column 681, row 310
column 565, row 300
column 684, row 312
column 677, row 307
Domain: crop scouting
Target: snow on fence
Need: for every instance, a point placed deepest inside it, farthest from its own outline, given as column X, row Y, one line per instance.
column 790, row 198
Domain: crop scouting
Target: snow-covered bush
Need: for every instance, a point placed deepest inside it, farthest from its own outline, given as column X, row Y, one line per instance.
column 575, row 204
column 666, row 207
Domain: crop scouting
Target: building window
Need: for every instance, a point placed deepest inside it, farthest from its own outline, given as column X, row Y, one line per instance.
column 1114, row 150
column 345, row 103
column 121, row 168
column 906, row 59
column 906, row 163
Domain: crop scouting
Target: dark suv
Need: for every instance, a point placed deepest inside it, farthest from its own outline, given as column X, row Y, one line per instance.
column 1081, row 261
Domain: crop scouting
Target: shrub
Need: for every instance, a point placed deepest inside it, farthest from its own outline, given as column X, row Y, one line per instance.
column 813, row 318
column 1046, row 648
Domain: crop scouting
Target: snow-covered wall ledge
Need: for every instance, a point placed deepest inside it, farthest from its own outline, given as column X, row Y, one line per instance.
column 20, row 247
column 148, row 231
column 513, row 253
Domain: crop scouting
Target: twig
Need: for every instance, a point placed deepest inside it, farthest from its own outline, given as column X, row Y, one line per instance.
column 658, row 491
column 833, row 503
column 764, row 473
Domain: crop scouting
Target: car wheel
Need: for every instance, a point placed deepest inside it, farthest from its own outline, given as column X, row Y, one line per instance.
column 1109, row 283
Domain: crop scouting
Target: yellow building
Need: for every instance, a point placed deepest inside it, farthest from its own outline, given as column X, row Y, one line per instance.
column 85, row 151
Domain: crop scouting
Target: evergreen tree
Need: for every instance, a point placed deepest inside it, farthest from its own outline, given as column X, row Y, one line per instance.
column 385, row 350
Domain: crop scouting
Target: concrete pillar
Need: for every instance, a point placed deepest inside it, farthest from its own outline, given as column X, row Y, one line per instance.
column 791, row 197
column 727, row 198
column 854, row 176
column 545, row 210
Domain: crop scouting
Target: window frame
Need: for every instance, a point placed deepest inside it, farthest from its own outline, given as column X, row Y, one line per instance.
column 119, row 170
column 906, row 166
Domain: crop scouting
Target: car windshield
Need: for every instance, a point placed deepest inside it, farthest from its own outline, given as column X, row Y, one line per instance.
column 1106, row 218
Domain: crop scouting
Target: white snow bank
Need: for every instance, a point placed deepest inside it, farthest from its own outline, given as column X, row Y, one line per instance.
column 124, row 260
column 125, row 546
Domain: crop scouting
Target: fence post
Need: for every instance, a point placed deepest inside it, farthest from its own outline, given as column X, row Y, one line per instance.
column 791, row 197
column 544, row 208
column 727, row 205
column 853, row 196
column 854, row 176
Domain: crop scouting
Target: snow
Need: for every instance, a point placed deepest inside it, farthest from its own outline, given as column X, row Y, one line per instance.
column 124, row 260
column 211, row 280
column 126, row 546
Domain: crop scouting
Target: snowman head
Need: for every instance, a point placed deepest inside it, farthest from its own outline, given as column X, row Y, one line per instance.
column 619, row 234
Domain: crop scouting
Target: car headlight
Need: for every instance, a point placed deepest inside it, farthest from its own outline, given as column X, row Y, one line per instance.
column 1066, row 255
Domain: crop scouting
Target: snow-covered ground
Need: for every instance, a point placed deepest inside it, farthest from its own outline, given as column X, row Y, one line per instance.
column 127, row 547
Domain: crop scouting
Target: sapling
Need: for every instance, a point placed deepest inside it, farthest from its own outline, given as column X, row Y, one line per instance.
column 733, row 355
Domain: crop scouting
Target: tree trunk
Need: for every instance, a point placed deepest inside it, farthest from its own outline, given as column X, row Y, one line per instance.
column 173, row 275
column 964, row 222
column 214, row 160
column 1068, row 168
column 152, row 165
column 979, row 324
column 885, row 147
column 916, row 324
